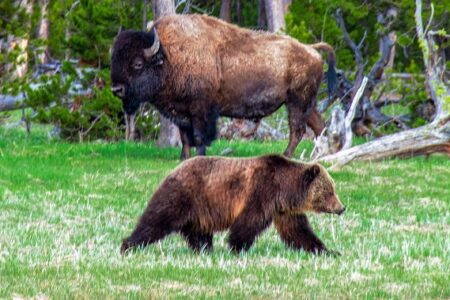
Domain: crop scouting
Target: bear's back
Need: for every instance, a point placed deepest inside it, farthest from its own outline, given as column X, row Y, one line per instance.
column 219, row 187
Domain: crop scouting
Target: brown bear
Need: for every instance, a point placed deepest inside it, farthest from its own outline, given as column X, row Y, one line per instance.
column 209, row 194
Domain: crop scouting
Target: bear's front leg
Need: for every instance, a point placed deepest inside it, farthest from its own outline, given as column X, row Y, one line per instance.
column 245, row 230
column 197, row 241
column 296, row 232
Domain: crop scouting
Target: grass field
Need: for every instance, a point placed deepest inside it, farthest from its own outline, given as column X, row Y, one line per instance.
column 64, row 209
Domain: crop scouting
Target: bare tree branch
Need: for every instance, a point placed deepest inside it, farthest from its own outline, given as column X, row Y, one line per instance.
column 351, row 114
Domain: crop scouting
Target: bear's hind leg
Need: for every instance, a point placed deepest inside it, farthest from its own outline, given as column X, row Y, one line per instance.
column 296, row 232
column 160, row 218
column 197, row 241
column 148, row 232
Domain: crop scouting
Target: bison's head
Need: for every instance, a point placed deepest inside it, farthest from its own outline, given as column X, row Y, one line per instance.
column 136, row 68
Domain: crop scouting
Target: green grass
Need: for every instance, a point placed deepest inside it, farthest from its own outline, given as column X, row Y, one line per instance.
column 64, row 209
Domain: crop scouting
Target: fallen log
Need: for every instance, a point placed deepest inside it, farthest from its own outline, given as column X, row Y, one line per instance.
column 10, row 102
column 247, row 130
column 424, row 140
column 13, row 102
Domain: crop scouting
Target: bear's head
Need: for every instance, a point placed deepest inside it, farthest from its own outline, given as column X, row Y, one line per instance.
column 318, row 191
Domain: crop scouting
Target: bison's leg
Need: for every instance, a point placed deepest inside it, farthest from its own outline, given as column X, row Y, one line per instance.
column 297, row 120
column 315, row 122
column 199, row 130
column 201, row 136
column 186, row 141
column 296, row 232
column 197, row 241
column 185, row 151
column 204, row 124
column 201, row 150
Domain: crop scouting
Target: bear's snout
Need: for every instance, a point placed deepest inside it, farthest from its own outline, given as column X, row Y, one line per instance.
column 335, row 205
column 341, row 211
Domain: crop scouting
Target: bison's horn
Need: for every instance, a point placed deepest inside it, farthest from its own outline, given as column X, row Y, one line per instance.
column 149, row 52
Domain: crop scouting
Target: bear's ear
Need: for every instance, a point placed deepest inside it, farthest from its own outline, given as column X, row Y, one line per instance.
column 309, row 175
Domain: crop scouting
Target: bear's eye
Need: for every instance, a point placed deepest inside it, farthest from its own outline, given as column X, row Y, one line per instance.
column 138, row 63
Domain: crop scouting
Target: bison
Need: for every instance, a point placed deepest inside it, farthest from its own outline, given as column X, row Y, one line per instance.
column 195, row 68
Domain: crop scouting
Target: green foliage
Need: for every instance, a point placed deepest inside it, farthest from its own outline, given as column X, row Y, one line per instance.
column 13, row 19
column 93, row 29
column 313, row 21
column 88, row 117
column 95, row 115
column 58, row 12
column 413, row 96
column 87, row 28
column 14, row 22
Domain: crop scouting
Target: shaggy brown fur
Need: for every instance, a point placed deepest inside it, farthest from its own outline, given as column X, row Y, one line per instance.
column 206, row 67
column 209, row 194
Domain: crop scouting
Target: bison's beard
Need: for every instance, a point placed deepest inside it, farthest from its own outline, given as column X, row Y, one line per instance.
column 142, row 89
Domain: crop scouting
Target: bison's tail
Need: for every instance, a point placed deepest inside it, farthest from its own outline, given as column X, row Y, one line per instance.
column 331, row 73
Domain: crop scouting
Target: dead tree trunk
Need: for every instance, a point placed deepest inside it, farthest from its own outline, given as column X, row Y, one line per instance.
column 10, row 102
column 239, row 16
column 144, row 14
column 225, row 10
column 275, row 15
column 431, row 138
column 262, row 19
column 43, row 33
column 339, row 134
column 168, row 132
column 425, row 140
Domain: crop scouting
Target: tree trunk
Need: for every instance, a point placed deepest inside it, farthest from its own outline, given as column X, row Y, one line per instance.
column 43, row 32
column 239, row 17
column 168, row 132
column 162, row 8
column 9, row 102
column 275, row 15
column 144, row 15
column 262, row 19
column 225, row 10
